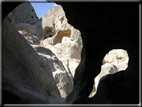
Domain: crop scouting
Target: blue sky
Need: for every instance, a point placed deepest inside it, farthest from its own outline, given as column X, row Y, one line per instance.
column 40, row 7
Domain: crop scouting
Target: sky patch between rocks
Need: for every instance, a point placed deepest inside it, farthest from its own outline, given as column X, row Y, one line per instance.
column 41, row 7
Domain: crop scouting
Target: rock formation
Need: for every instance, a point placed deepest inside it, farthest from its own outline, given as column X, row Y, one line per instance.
column 66, row 43
column 40, row 60
column 25, row 73
column 103, row 27
column 114, row 61
column 21, row 15
column 65, row 39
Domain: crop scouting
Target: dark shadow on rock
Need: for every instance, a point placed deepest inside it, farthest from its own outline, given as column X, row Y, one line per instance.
column 25, row 76
column 43, row 50
column 7, row 7
column 9, row 98
column 103, row 27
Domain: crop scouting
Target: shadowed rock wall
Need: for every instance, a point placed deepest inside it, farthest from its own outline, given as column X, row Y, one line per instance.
column 25, row 13
column 103, row 27
column 25, row 74
column 51, row 64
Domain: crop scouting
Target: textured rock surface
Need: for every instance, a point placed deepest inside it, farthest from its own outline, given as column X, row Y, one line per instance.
column 117, row 57
column 111, row 22
column 28, row 28
column 47, row 21
column 62, row 77
column 114, row 61
column 62, row 38
column 51, row 14
column 25, row 74
column 11, row 19
column 63, row 81
column 32, row 39
column 25, row 13
column 103, row 27
column 64, row 41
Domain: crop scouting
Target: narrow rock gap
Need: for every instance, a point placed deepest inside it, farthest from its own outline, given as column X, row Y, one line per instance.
column 37, row 72
column 58, row 44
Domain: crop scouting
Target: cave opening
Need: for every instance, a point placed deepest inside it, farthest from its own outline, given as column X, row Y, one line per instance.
column 48, row 32
column 50, row 35
column 114, row 67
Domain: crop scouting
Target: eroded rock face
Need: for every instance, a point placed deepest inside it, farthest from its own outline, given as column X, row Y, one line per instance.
column 114, row 61
column 59, row 73
column 63, row 40
column 32, row 39
column 103, row 27
column 117, row 57
column 118, row 19
column 11, row 19
column 25, row 74
column 25, row 13
column 61, row 67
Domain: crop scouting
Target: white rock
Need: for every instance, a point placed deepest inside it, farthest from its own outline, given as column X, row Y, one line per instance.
column 117, row 57
column 52, row 33
column 114, row 61
column 66, row 43
column 60, row 75
column 71, row 65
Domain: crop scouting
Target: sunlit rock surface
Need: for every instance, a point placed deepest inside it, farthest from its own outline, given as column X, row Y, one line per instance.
column 25, row 73
column 103, row 27
column 59, row 44
column 62, row 39
column 114, row 61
